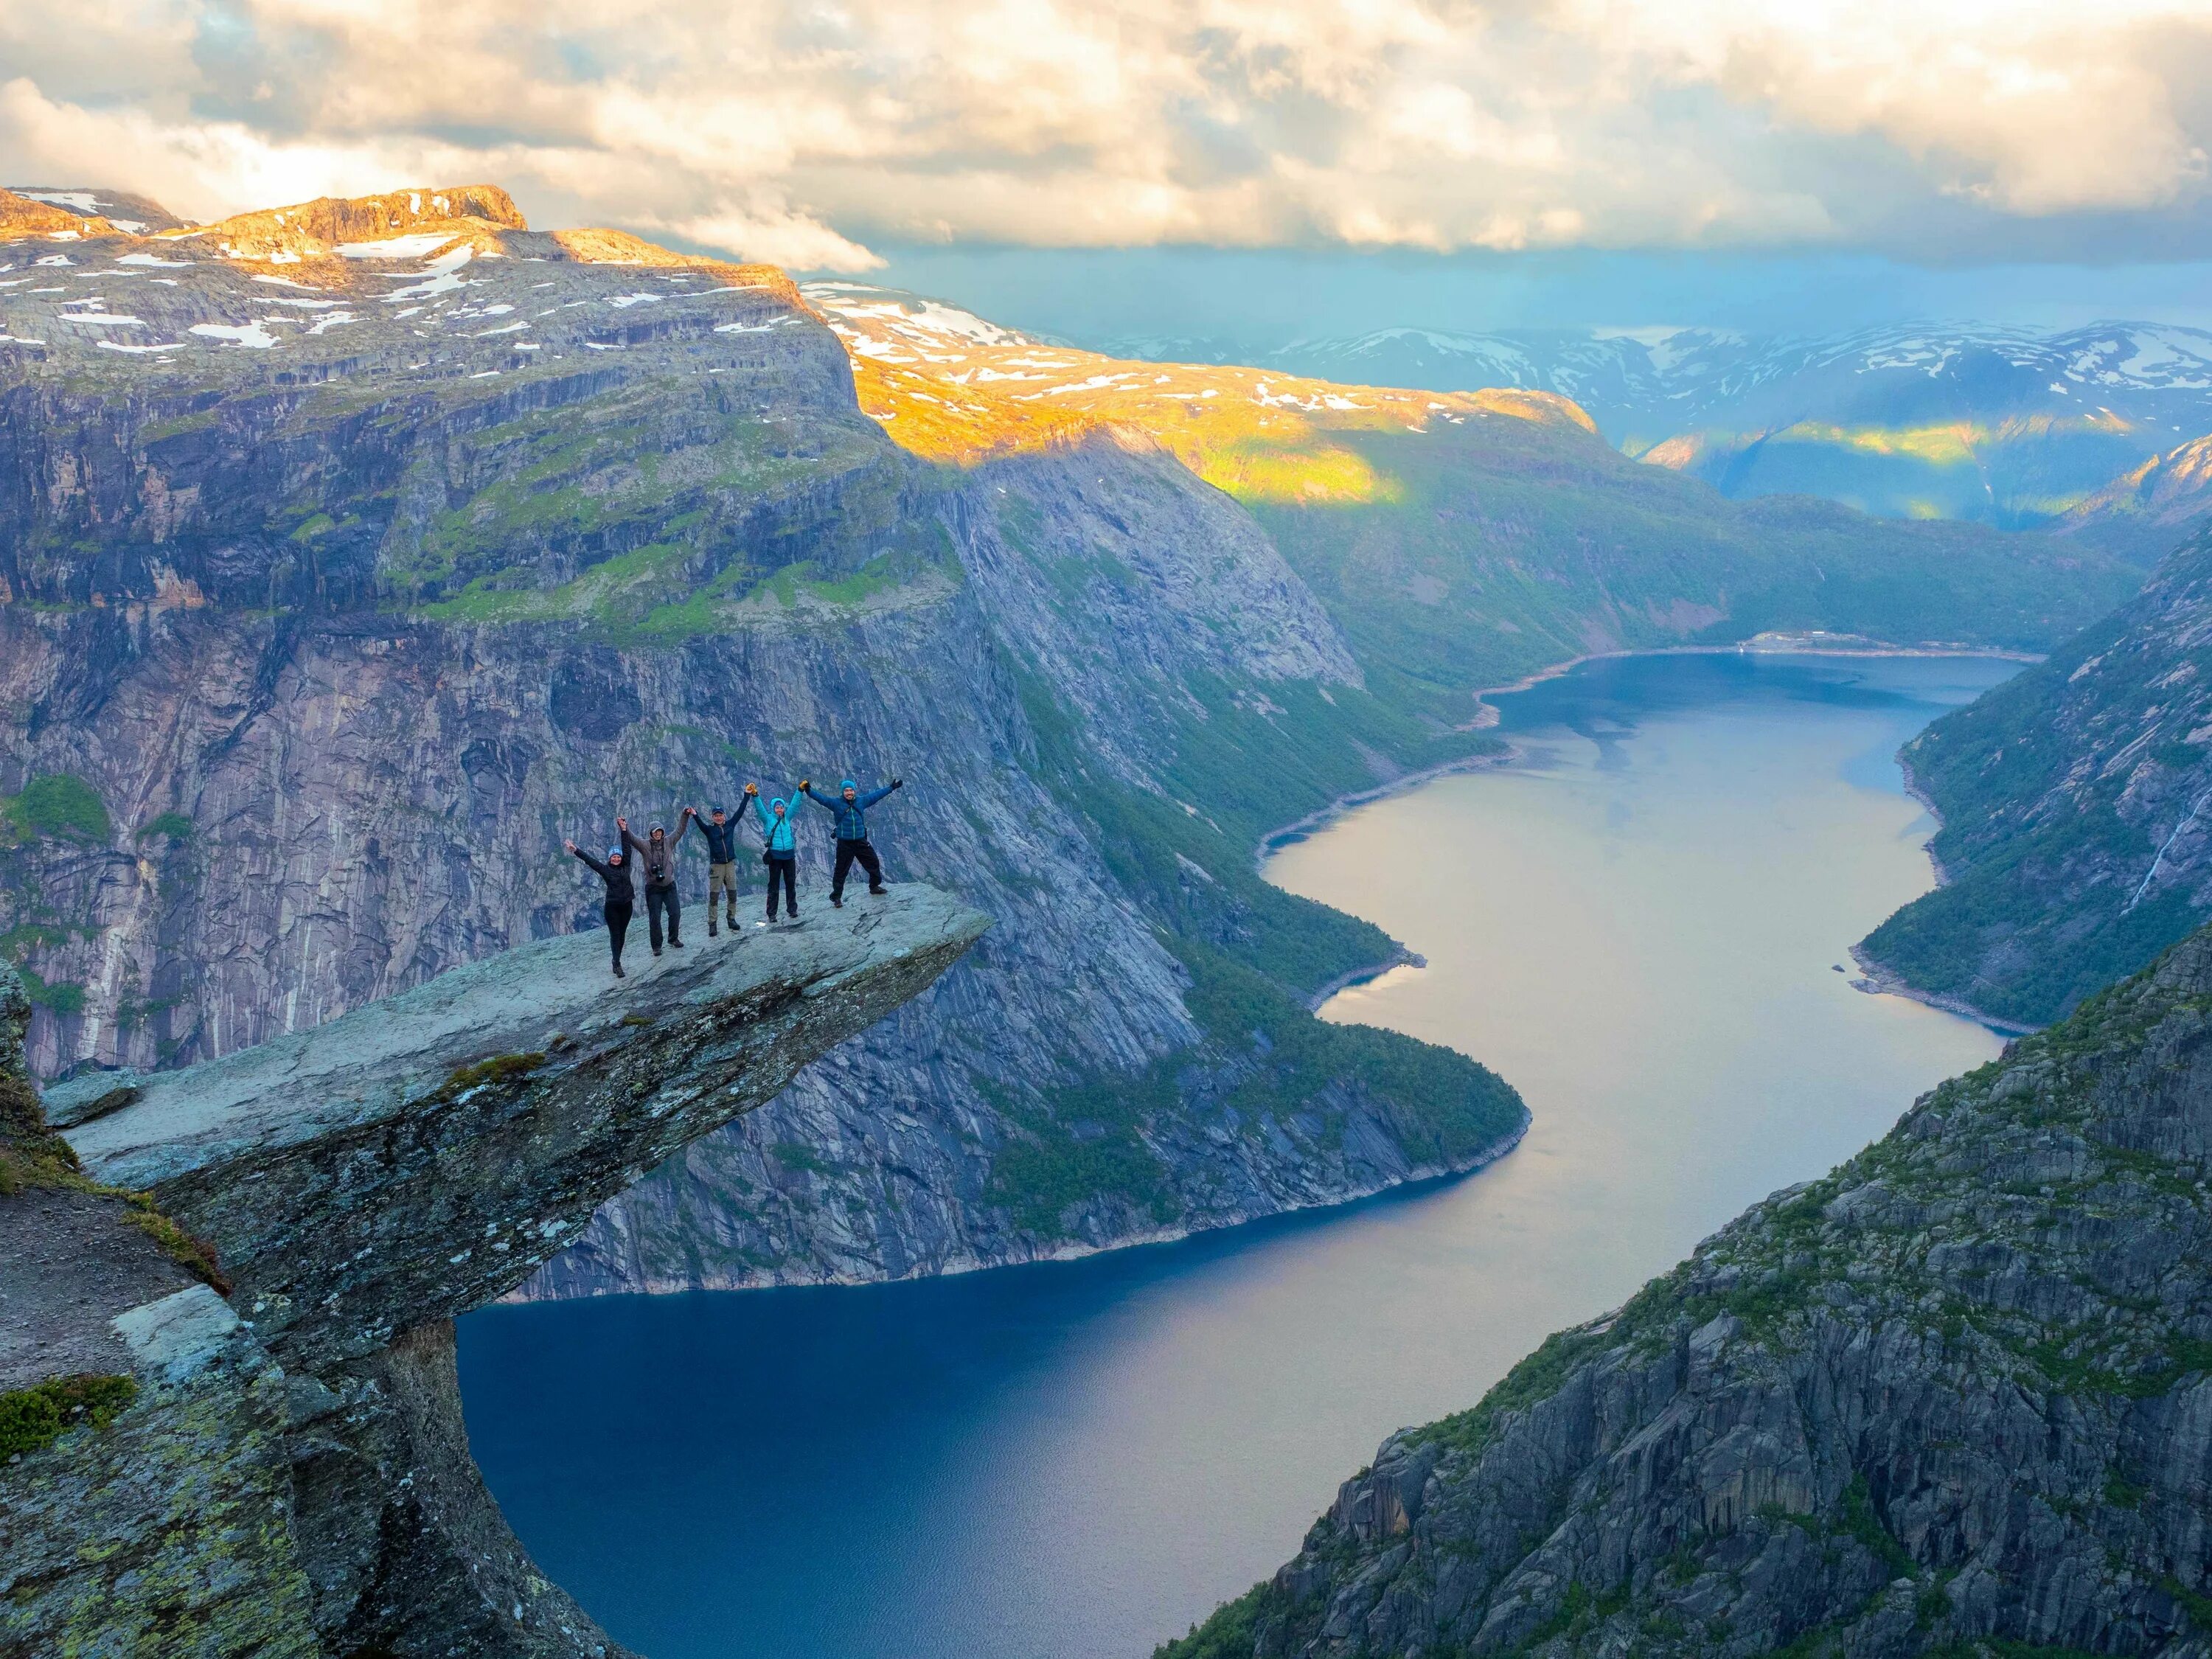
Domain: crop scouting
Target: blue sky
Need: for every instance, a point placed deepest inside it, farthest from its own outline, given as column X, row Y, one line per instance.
column 1262, row 298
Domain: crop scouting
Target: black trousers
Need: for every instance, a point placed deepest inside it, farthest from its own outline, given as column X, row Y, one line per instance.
column 660, row 899
column 847, row 851
column 617, row 917
column 784, row 870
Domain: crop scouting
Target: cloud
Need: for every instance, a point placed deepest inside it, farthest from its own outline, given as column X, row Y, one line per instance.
column 804, row 130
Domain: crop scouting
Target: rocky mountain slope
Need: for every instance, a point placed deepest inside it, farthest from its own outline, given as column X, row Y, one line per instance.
column 229, row 1422
column 1950, row 1399
column 2147, row 512
column 2074, row 842
column 354, row 553
column 1462, row 540
column 2005, row 426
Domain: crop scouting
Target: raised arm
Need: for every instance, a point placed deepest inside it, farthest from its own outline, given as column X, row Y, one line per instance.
column 683, row 829
column 807, row 790
column 604, row 871
column 631, row 844
column 875, row 795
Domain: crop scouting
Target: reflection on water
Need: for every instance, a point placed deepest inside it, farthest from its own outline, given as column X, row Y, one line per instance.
column 1638, row 928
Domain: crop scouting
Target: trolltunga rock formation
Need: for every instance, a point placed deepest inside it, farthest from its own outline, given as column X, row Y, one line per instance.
column 292, row 1477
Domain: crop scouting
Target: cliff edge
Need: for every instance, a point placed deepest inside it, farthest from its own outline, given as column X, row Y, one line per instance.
column 232, row 1287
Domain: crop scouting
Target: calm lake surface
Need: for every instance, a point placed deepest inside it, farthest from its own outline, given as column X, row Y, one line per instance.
column 1637, row 928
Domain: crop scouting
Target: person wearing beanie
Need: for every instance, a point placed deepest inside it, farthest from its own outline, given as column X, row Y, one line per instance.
column 849, row 809
column 657, row 853
column 781, row 856
column 621, row 895
column 722, row 833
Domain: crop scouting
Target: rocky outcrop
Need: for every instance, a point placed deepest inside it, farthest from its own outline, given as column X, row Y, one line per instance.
column 293, row 1476
column 2146, row 512
column 1955, row 1398
column 2077, row 843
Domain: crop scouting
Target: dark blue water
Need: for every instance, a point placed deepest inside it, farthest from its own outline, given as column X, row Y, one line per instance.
column 1640, row 930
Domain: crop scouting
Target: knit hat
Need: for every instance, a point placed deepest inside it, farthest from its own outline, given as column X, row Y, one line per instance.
column 614, row 855
column 848, row 784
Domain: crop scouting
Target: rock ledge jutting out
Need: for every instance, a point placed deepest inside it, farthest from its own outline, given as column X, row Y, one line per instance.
column 293, row 1476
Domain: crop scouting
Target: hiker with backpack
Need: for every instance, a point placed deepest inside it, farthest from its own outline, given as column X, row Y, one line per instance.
column 848, row 809
column 782, row 852
column 722, row 833
column 621, row 895
column 657, row 853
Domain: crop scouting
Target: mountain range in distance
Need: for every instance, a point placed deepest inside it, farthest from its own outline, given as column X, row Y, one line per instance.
column 2015, row 427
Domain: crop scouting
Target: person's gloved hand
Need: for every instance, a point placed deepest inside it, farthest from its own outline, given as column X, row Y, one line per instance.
column 752, row 789
column 898, row 783
column 804, row 784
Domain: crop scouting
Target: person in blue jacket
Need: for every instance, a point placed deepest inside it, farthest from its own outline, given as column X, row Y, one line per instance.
column 853, row 834
column 782, row 853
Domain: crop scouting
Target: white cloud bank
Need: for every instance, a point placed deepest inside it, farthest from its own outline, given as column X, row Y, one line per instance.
column 800, row 131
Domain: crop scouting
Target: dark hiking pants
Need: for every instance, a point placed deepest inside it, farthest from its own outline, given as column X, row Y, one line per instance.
column 847, row 851
column 787, row 871
column 617, row 917
column 657, row 901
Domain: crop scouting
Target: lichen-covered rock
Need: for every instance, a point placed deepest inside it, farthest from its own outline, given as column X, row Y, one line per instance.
column 169, row 1530
column 1954, row 1396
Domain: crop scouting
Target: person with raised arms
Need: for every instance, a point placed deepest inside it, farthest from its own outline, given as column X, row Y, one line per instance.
column 621, row 895
column 849, row 809
column 720, row 831
column 782, row 853
column 657, row 853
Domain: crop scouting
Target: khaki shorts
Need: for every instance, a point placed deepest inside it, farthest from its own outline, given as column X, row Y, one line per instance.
column 720, row 877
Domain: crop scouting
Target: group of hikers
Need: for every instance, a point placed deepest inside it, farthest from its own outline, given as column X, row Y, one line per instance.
column 780, row 852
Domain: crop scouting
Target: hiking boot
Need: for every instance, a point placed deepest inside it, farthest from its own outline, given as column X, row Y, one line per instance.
column 676, row 945
column 877, row 892
column 837, row 903
column 618, row 972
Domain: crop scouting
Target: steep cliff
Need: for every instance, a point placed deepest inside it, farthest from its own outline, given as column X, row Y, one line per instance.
column 1955, row 1398
column 353, row 554
column 276, row 1462
column 2074, row 846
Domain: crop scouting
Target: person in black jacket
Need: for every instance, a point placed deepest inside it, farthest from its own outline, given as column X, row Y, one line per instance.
column 720, row 831
column 622, row 897
column 657, row 853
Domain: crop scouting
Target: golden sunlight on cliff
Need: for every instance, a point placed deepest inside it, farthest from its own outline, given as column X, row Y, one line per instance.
column 950, row 387
column 338, row 243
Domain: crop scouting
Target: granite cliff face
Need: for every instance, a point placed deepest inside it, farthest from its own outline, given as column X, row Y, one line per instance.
column 2074, row 846
column 354, row 554
column 1955, row 1398
column 287, row 1471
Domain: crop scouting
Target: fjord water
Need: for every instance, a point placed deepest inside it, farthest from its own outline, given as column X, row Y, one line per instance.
column 1637, row 925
